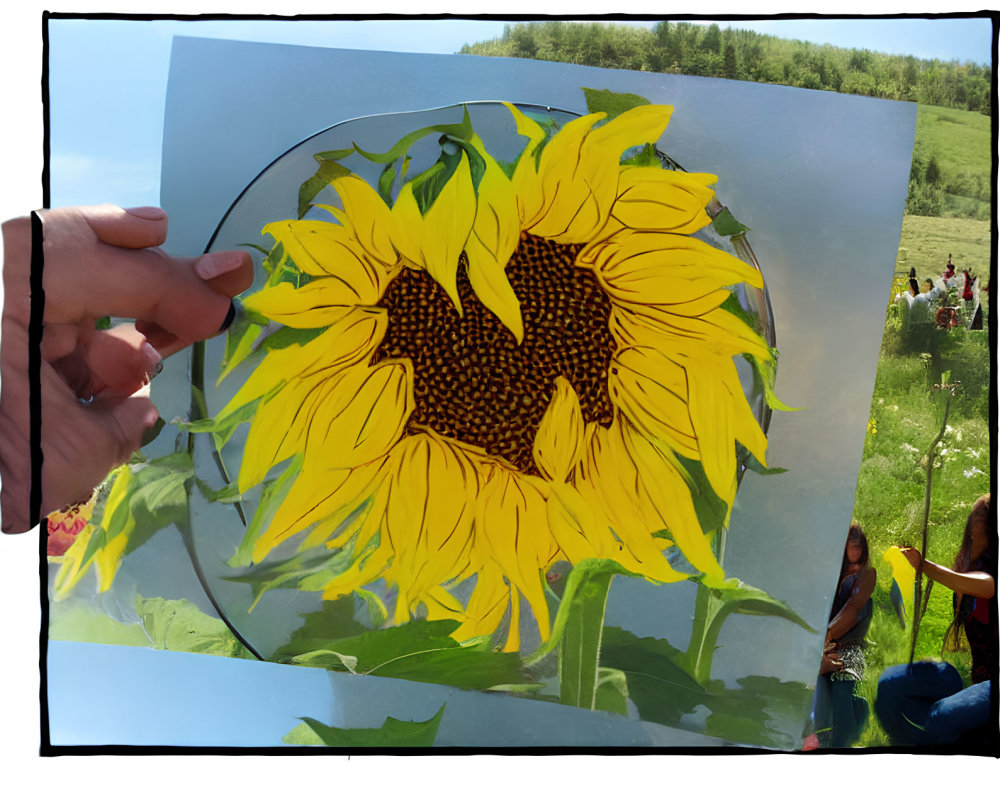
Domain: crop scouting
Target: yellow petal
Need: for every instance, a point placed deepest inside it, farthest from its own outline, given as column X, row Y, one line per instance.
column 651, row 391
column 656, row 268
column 640, row 125
column 317, row 304
column 487, row 605
column 349, row 340
column 579, row 171
column 359, row 573
column 525, row 180
column 278, row 428
column 328, row 496
column 370, row 218
column 666, row 491
column 362, row 416
column 430, row 511
column 559, row 439
column 652, row 198
column 711, row 406
column 607, row 479
column 495, row 235
column 717, row 331
column 574, row 526
column 577, row 194
column 512, row 528
column 435, row 240
column 326, row 249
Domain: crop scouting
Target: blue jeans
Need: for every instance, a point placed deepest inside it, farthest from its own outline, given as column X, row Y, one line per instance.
column 924, row 704
column 839, row 712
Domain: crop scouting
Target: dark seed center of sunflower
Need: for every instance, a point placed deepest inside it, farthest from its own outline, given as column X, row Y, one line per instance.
column 472, row 380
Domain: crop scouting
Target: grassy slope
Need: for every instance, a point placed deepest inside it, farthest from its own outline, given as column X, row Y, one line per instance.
column 927, row 241
column 904, row 419
column 960, row 140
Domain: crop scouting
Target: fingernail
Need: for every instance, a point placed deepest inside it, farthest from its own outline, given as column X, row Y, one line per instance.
column 212, row 265
column 154, row 361
column 147, row 212
column 230, row 316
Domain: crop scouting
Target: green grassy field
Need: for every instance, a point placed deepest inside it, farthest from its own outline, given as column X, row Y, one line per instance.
column 957, row 143
column 906, row 414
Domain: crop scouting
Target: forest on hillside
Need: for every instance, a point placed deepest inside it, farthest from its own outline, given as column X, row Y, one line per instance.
column 709, row 50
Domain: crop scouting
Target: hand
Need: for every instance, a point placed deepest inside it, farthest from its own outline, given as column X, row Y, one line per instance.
column 912, row 555
column 831, row 661
column 98, row 261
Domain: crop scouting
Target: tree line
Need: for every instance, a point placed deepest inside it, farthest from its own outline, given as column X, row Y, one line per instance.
column 709, row 50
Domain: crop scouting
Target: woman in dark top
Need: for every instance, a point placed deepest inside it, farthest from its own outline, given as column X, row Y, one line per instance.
column 925, row 702
column 839, row 711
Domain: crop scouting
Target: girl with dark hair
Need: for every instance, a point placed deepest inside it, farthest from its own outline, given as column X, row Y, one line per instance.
column 924, row 702
column 839, row 710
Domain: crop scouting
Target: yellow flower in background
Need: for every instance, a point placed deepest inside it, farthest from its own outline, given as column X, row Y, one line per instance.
column 510, row 376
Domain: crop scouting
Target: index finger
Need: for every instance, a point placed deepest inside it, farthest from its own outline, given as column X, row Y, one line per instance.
column 86, row 277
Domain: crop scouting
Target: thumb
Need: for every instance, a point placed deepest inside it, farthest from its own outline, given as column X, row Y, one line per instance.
column 132, row 228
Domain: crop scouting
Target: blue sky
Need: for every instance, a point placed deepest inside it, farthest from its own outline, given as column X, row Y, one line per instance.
column 106, row 121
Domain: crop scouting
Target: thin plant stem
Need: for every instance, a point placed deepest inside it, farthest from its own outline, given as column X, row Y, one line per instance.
column 919, row 603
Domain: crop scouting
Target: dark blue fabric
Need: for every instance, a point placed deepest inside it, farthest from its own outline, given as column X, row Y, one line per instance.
column 839, row 712
column 925, row 704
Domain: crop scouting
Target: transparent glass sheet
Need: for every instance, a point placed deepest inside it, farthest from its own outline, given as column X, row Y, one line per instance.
column 820, row 179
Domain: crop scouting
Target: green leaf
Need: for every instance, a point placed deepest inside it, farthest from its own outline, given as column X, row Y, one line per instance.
column 271, row 499
column 222, row 428
column 158, row 496
column 576, row 599
column 240, row 340
column 643, row 156
column 740, row 598
column 713, row 607
column 612, row 691
column 102, row 324
column 751, row 463
column 318, row 562
column 664, row 691
column 328, row 170
column 712, row 510
column 759, row 712
column 420, row 651
column 393, row 733
column 658, row 683
column 611, row 103
column 179, row 625
column 462, row 130
column 726, row 224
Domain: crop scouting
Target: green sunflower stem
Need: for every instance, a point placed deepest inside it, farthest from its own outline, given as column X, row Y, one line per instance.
column 580, row 645
column 704, row 634
column 707, row 621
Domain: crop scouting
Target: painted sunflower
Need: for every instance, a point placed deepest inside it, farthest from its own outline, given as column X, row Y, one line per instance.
column 510, row 375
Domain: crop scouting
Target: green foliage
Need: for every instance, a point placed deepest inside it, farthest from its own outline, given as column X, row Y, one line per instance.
column 421, row 650
column 166, row 624
column 661, row 687
column 951, row 165
column 611, row 103
column 393, row 733
column 690, row 49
